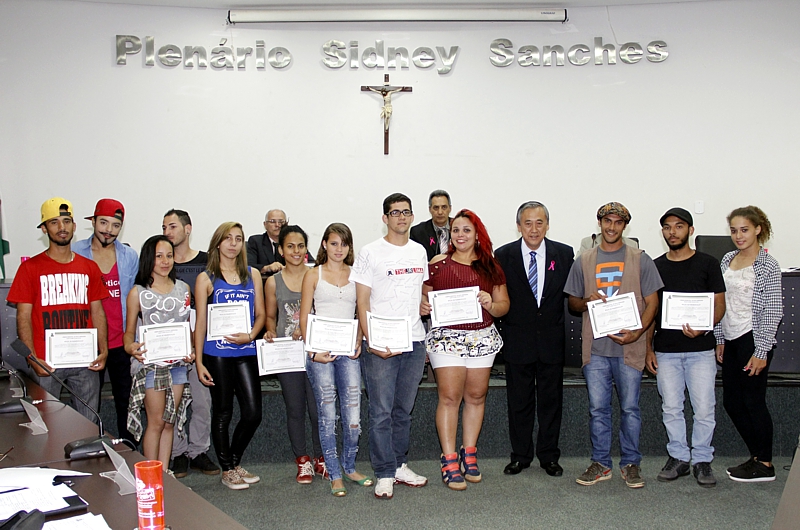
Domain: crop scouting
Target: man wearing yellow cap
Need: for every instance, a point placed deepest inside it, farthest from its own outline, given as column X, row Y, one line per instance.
column 119, row 264
column 58, row 289
column 614, row 268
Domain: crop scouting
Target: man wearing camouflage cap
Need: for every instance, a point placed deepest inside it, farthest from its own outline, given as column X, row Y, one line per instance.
column 614, row 268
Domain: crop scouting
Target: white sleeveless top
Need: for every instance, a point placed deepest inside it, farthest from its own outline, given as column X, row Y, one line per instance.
column 739, row 287
column 334, row 302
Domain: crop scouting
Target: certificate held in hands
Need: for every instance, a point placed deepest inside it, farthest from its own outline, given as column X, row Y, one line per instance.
column 450, row 307
column 280, row 356
column 70, row 348
column 392, row 333
column 227, row 319
column 614, row 314
column 166, row 342
column 334, row 335
column 694, row 309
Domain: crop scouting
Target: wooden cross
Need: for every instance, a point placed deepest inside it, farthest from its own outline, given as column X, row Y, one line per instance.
column 386, row 92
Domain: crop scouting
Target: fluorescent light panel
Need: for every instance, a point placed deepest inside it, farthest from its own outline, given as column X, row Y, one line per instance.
column 373, row 14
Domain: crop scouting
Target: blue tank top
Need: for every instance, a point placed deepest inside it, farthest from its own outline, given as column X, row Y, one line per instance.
column 225, row 293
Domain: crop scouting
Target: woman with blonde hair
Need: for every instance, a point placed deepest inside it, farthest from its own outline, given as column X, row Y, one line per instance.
column 230, row 366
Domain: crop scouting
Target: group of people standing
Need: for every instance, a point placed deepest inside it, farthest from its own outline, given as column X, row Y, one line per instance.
column 521, row 291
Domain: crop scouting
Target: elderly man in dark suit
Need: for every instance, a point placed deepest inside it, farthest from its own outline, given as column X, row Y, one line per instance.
column 536, row 270
column 262, row 249
column 434, row 234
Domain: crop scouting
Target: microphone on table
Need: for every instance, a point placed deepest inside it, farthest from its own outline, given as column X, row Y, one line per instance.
column 79, row 449
column 15, row 404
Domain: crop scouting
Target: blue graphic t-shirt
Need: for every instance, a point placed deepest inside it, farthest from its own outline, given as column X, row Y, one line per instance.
column 225, row 293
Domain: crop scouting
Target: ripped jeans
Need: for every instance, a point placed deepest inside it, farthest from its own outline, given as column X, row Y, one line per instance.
column 341, row 378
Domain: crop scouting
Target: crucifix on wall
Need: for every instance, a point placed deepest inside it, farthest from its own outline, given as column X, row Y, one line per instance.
column 386, row 92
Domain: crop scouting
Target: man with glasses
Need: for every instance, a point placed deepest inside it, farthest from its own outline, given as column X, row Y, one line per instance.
column 389, row 273
column 262, row 249
column 434, row 234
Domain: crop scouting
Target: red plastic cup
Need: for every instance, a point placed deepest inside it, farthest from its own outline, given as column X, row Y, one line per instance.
column 150, row 494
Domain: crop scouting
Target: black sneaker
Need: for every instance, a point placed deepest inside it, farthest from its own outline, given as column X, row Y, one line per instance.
column 204, row 464
column 180, row 466
column 704, row 475
column 741, row 466
column 753, row 471
column 673, row 469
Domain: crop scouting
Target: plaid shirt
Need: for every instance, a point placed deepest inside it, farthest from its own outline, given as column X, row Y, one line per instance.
column 767, row 302
column 162, row 382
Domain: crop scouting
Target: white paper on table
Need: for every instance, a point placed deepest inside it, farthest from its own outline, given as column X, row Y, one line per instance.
column 694, row 309
column 393, row 333
column 43, row 498
column 34, row 476
column 70, row 348
column 36, row 425
column 86, row 521
column 281, row 356
column 615, row 313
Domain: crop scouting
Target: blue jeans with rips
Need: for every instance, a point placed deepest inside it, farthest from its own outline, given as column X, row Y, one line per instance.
column 696, row 372
column 82, row 381
column 392, row 386
column 599, row 375
column 341, row 378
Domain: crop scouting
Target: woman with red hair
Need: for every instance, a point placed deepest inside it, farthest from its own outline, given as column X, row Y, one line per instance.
column 462, row 355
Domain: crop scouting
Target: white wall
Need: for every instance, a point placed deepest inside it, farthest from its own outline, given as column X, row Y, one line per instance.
column 717, row 122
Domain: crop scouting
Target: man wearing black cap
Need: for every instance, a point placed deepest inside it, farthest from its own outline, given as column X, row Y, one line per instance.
column 119, row 264
column 614, row 268
column 684, row 358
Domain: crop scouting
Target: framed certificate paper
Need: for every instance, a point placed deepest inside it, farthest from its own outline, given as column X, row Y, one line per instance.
column 335, row 335
column 614, row 314
column 694, row 309
column 455, row 306
column 227, row 319
column 70, row 348
column 166, row 342
column 281, row 355
column 393, row 333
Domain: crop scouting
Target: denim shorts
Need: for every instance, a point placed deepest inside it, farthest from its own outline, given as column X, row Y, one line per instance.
column 178, row 374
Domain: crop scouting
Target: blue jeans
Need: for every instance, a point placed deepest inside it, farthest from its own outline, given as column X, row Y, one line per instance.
column 341, row 377
column 695, row 371
column 599, row 374
column 392, row 386
column 84, row 382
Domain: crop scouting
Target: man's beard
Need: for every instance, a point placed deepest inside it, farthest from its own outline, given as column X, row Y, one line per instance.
column 682, row 243
column 59, row 242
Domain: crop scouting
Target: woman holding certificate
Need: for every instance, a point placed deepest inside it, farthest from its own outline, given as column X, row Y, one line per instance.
column 230, row 314
column 282, row 292
column 466, row 291
column 163, row 302
column 328, row 292
column 746, row 338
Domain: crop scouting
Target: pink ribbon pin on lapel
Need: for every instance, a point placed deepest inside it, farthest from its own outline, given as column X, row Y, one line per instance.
column 552, row 266
column 432, row 242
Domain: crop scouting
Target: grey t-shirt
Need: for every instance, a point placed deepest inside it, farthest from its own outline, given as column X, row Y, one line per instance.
column 609, row 271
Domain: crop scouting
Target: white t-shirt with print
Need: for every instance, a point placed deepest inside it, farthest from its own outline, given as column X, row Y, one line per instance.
column 395, row 275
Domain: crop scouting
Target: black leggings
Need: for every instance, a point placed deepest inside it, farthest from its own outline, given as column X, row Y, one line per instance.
column 745, row 397
column 118, row 364
column 233, row 376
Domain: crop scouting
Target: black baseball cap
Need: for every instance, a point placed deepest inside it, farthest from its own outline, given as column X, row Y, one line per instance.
column 680, row 213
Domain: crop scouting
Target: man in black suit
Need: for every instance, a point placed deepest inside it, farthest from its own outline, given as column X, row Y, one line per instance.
column 536, row 270
column 434, row 234
column 262, row 249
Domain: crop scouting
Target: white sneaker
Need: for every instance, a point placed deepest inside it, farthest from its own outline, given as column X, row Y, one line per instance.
column 384, row 488
column 248, row 477
column 232, row 479
column 404, row 475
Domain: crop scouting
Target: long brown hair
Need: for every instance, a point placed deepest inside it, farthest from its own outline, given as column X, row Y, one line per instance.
column 484, row 264
column 343, row 231
column 219, row 236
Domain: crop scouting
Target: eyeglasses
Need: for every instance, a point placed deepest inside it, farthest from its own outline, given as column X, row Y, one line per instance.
column 398, row 213
column 279, row 222
column 4, row 455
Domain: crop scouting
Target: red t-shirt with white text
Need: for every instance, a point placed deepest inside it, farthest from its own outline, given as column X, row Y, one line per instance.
column 61, row 294
column 113, row 308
